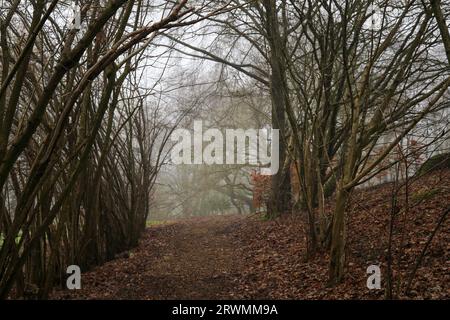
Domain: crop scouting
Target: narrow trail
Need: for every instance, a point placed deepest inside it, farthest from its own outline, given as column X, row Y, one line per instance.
column 198, row 260
column 189, row 259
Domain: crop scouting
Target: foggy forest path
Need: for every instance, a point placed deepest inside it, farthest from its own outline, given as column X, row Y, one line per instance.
column 188, row 259
column 248, row 257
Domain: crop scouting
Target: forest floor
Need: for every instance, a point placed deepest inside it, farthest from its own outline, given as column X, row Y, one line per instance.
column 245, row 257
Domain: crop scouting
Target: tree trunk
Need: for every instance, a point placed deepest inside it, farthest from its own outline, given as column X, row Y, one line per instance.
column 337, row 255
column 281, row 185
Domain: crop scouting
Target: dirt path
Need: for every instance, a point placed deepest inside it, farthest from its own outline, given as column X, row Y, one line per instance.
column 198, row 261
column 193, row 259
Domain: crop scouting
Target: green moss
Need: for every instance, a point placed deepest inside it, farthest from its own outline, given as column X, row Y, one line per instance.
column 266, row 217
column 154, row 223
column 439, row 162
column 2, row 238
column 425, row 194
column 330, row 187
